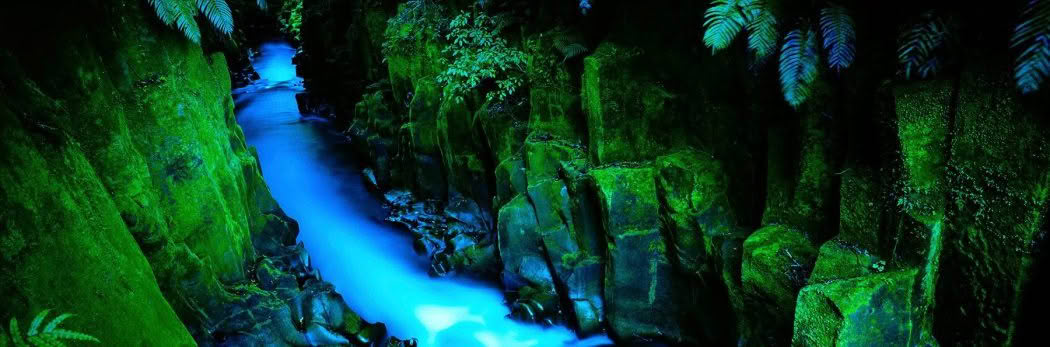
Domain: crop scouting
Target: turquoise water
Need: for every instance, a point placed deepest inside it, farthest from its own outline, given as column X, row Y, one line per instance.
column 370, row 264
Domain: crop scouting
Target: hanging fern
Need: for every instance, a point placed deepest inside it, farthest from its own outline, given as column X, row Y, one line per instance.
column 799, row 58
column 723, row 21
column 572, row 50
column 50, row 335
column 762, row 30
column 919, row 45
column 180, row 14
column 839, row 37
column 218, row 12
column 1032, row 36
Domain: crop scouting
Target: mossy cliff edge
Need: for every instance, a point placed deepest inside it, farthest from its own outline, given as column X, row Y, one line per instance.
column 656, row 192
column 129, row 198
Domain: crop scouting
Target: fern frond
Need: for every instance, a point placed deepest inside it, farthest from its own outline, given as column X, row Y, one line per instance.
column 762, row 30
column 839, row 37
column 572, row 50
column 185, row 22
column 34, row 327
column 798, row 65
column 16, row 335
column 723, row 21
column 64, row 334
column 55, row 322
column 218, row 12
column 45, row 341
column 164, row 10
column 1032, row 36
column 919, row 44
column 261, row 4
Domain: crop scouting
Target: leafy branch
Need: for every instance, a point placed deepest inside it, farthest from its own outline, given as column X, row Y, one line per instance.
column 476, row 54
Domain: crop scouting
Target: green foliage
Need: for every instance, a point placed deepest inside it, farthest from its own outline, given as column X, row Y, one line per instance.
column 416, row 21
column 837, row 28
column 723, row 21
column 798, row 65
column 919, row 44
column 50, row 335
column 478, row 54
column 727, row 18
column 762, row 29
column 180, row 14
column 1032, row 36
column 292, row 18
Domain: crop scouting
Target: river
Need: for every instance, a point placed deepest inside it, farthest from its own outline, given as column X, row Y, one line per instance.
column 306, row 165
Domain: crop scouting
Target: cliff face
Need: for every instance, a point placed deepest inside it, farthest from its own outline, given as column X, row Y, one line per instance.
column 129, row 197
column 658, row 192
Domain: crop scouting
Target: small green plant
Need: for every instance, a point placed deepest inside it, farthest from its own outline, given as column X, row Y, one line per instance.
column 49, row 335
column 292, row 18
column 477, row 54
column 180, row 14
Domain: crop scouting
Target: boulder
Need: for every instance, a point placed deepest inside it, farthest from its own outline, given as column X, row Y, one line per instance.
column 872, row 310
column 776, row 263
column 639, row 293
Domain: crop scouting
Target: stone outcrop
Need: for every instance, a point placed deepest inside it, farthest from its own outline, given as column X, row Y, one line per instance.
column 131, row 199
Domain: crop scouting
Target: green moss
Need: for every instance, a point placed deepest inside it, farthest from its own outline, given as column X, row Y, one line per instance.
column 922, row 112
column 865, row 311
column 996, row 182
column 627, row 116
column 413, row 46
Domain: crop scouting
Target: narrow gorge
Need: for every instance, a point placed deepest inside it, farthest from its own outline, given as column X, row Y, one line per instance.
column 523, row 173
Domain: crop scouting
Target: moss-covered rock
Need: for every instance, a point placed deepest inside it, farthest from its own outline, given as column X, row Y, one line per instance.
column 628, row 117
column 554, row 97
column 776, row 263
column 692, row 190
column 520, row 245
column 639, row 297
column 413, row 46
column 146, row 179
column 864, row 311
column 998, row 179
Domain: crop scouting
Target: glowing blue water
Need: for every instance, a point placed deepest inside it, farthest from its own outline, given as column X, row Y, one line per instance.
column 373, row 266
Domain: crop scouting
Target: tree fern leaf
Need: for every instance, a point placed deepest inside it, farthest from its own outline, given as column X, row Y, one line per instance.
column 1032, row 36
column 164, row 10
column 34, row 327
column 918, row 46
column 798, row 65
column 572, row 50
column 45, row 341
column 762, row 30
column 723, row 21
column 184, row 20
column 261, row 3
column 16, row 335
column 63, row 334
column 837, row 28
column 218, row 12
column 55, row 322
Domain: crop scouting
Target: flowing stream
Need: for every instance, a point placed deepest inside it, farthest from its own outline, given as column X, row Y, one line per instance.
column 372, row 265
